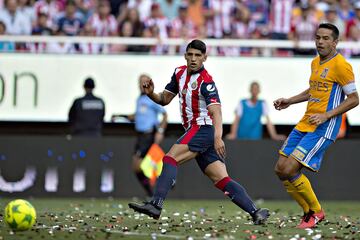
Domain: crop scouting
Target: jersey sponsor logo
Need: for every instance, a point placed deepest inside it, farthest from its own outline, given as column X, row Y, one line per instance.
column 319, row 86
column 298, row 154
column 324, row 73
column 210, row 87
column 213, row 100
column 194, row 85
column 314, row 100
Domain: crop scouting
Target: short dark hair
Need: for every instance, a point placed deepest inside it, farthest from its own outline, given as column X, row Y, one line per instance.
column 332, row 27
column 197, row 44
column 89, row 83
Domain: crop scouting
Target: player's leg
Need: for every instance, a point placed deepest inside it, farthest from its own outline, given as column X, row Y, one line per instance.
column 308, row 153
column 216, row 170
column 143, row 143
column 178, row 154
column 287, row 148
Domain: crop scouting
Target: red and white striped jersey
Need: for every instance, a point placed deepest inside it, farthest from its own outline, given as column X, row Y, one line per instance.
column 103, row 27
column 280, row 15
column 196, row 92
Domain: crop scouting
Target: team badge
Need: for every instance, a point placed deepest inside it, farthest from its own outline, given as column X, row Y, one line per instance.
column 184, row 91
column 324, row 73
column 194, row 85
column 210, row 88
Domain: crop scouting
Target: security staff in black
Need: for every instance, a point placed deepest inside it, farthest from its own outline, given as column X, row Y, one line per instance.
column 86, row 115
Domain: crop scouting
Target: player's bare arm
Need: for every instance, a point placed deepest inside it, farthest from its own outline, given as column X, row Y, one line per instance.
column 163, row 98
column 219, row 145
column 283, row 103
column 350, row 102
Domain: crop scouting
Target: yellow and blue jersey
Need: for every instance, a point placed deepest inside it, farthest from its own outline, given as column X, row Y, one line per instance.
column 326, row 93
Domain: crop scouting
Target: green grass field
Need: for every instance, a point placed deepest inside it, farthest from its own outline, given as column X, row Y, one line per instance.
column 181, row 219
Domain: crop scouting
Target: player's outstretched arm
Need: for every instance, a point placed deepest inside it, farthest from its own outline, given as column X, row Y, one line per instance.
column 162, row 98
column 283, row 103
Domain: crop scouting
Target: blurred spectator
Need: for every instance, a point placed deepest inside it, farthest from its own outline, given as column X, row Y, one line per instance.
column 102, row 21
column 16, row 22
column 60, row 47
column 133, row 17
column 169, row 8
column 69, row 23
column 126, row 30
column 259, row 11
column 195, row 13
column 353, row 30
column 158, row 20
column 27, row 10
column 243, row 27
column 52, row 8
column 218, row 15
column 332, row 17
column 143, row 7
column 118, row 7
column 87, row 113
column 303, row 29
column 247, row 124
column 86, row 8
column 5, row 46
column 280, row 18
column 183, row 26
column 345, row 12
column 41, row 26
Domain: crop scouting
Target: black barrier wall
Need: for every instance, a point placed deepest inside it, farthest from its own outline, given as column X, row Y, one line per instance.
column 78, row 167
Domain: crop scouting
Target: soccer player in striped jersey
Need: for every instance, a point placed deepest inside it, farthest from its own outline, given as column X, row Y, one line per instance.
column 201, row 117
column 331, row 79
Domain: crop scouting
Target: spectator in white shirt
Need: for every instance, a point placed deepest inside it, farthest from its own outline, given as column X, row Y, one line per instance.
column 16, row 22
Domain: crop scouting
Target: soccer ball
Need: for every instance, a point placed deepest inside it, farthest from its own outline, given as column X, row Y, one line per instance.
column 20, row 215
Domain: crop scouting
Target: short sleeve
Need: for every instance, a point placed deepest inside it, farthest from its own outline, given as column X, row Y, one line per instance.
column 239, row 109
column 210, row 93
column 172, row 86
column 265, row 108
column 345, row 74
column 346, row 78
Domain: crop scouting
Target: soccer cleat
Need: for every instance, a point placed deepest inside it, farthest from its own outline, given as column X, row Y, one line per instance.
column 310, row 219
column 147, row 208
column 260, row 216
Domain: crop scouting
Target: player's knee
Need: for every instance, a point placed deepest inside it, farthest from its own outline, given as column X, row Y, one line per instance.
column 282, row 170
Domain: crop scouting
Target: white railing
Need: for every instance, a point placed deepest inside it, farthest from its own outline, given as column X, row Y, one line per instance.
column 174, row 41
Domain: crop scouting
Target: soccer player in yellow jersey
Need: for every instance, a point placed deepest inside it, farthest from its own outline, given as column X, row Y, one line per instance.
column 331, row 80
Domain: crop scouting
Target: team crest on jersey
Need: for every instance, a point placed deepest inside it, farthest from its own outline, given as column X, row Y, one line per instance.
column 183, row 91
column 324, row 73
column 194, row 85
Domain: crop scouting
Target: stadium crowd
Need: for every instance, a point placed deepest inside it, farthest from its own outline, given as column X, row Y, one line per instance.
column 220, row 19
